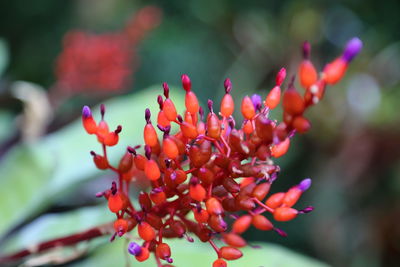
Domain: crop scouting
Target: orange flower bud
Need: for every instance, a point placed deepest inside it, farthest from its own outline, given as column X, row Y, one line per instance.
column 214, row 206
column 230, row 253
column 262, row 223
column 146, row 232
column 284, row 214
column 247, row 108
column 219, row 263
column 280, row 149
column 275, row 200
column 241, row 224
column 151, row 170
column 334, row 71
column 234, row 240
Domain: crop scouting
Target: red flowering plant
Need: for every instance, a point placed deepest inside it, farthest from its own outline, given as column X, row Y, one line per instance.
column 212, row 169
column 102, row 63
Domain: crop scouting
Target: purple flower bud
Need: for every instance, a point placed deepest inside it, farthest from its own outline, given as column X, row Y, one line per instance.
column 305, row 184
column 131, row 150
column 180, row 119
column 147, row 151
column 160, row 101
column 306, row 50
column 280, row 232
column 210, row 105
column 157, row 190
column 102, row 110
column 118, row 130
column 134, row 249
column 166, row 90
column 201, row 112
column 307, row 209
column 353, row 47
column 256, row 99
column 86, row 112
column 227, row 85
column 147, row 115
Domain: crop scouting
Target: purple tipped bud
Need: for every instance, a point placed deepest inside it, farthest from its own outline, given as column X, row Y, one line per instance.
column 189, row 238
column 291, row 82
column 134, row 249
column 167, row 129
column 102, row 110
column 280, row 232
column 353, row 47
column 280, row 77
column 256, row 99
column 180, row 119
column 210, row 105
column 166, row 89
column 131, row 150
column 118, row 130
column 113, row 188
column 194, row 180
column 93, row 153
column 305, row 184
column 160, row 101
column 201, row 112
column 232, row 123
column 307, row 209
column 228, row 85
column 169, row 260
column 147, row 151
column 306, row 50
column 186, row 83
column 161, row 128
column 173, row 176
column 99, row 194
column 147, row 115
column 157, row 190
column 86, row 112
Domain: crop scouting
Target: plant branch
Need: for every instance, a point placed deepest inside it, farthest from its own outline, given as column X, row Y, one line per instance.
column 69, row 240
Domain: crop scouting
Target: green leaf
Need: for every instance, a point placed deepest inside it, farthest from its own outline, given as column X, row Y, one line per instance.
column 104, row 253
column 199, row 254
column 4, row 56
column 51, row 226
column 7, row 128
column 33, row 175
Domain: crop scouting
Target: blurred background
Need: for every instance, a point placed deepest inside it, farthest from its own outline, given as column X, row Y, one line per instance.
column 56, row 56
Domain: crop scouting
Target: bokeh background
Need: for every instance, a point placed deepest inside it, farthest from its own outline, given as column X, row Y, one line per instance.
column 47, row 180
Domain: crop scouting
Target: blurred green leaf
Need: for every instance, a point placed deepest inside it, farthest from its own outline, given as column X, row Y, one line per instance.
column 51, row 226
column 199, row 254
column 6, row 125
column 104, row 253
column 4, row 57
column 34, row 175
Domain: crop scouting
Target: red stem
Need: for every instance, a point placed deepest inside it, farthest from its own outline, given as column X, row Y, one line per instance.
column 58, row 242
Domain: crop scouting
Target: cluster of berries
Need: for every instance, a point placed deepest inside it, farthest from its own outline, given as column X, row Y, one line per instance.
column 211, row 170
column 102, row 62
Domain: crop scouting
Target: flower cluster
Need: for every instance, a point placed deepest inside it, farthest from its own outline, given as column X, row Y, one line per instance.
column 102, row 62
column 211, row 169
